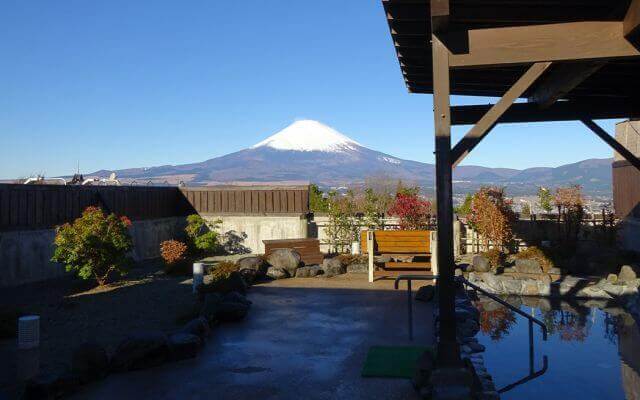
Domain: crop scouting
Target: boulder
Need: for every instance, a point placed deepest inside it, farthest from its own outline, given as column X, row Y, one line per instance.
column 250, row 276
column 198, row 327
column 492, row 282
column 253, row 263
column 233, row 283
column 90, row 362
column 333, row 266
column 287, row 259
column 357, row 268
column 277, row 273
column 457, row 272
column 528, row 266
column 308, row 272
column 235, row 297
column 231, row 311
column 183, row 346
column 141, row 350
column 210, row 306
column 480, row 264
column 627, row 273
column 612, row 278
column 425, row 293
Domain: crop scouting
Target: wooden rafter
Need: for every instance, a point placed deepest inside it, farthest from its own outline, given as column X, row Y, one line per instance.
column 490, row 119
column 611, row 141
column 572, row 41
column 559, row 111
column 561, row 80
column 631, row 23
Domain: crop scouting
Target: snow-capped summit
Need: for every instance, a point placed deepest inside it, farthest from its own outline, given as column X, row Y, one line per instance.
column 309, row 135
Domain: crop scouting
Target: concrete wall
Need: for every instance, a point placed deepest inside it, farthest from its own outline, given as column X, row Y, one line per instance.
column 262, row 227
column 25, row 255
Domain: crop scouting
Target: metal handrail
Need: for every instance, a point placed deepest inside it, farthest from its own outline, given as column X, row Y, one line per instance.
column 504, row 303
column 409, row 278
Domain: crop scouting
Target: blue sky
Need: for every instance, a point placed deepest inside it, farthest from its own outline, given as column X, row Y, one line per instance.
column 115, row 84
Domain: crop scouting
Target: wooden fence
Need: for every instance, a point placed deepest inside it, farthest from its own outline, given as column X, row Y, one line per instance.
column 45, row 206
column 248, row 200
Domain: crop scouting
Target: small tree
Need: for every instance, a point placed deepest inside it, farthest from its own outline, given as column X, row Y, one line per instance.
column 317, row 201
column 343, row 225
column 413, row 212
column 373, row 210
column 94, row 245
column 491, row 215
column 465, row 208
column 570, row 206
column 202, row 235
column 545, row 199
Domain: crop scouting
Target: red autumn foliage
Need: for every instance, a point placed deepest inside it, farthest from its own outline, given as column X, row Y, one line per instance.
column 413, row 212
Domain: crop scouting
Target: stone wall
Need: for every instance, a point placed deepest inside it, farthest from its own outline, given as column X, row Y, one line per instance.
column 262, row 227
column 25, row 255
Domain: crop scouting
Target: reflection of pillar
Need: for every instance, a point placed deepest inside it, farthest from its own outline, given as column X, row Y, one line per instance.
column 629, row 349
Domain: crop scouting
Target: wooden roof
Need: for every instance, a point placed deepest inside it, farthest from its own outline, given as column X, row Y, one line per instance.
column 409, row 22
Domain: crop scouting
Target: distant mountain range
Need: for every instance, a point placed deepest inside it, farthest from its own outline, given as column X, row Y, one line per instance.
column 308, row 151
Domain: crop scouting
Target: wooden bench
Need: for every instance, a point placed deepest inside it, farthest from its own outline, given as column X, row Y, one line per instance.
column 309, row 249
column 398, row 245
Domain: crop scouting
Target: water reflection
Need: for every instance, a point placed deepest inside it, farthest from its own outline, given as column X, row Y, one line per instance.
column 593, row 348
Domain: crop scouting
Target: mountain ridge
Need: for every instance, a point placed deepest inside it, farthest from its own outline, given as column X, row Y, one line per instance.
column 310, row 151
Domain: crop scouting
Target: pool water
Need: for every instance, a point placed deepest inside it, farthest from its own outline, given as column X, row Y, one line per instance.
column 593, row 350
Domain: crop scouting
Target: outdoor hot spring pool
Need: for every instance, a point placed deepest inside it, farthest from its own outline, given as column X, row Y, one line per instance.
column 593, row 350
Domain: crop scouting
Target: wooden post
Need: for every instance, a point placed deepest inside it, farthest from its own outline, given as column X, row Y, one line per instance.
column 434, row 252
column 448, row 350
column 370, row 251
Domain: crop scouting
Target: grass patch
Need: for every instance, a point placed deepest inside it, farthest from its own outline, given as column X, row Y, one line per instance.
column 392, row 361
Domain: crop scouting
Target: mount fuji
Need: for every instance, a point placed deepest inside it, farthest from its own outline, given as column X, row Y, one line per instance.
column 309, row 151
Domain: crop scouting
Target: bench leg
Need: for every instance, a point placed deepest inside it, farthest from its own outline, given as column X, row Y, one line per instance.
column 370, row 251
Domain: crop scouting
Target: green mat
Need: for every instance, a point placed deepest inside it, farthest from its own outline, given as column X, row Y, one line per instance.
column 392, row 361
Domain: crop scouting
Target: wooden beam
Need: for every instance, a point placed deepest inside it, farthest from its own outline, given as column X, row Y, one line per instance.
column 611, row 141
column 439, row 15
column 448, row 350
column 490, row 119
column 560, row 111
column 573, row 41
column 561, row 80
column 631, row 23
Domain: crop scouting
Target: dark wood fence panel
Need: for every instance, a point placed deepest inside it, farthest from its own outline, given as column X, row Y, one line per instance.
column 248, row 200
column 626, row 189
column 45, row 206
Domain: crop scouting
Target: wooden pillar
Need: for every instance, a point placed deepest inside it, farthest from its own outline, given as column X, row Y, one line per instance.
column 448, row 350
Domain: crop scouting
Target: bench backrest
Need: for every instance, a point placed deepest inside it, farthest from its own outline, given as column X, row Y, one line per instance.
column 308, row 248
column 399, row 242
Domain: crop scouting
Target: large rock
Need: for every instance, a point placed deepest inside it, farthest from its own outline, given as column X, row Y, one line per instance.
column 231, row 311
column 492, row 282
column 235, row 297
column 333, row 266
column 308, row 272
column 425, row 293
column 357, row 268
column 287, row 259
column 233, row 283
column 90, row 362
column 183, row 346
column 480, row 264
column 141, row 350
column 198, row 327
column 210, row 306
column 528, row 266
column 253, row 263
column 252, row 269
column 277, row 273
column 627, row 273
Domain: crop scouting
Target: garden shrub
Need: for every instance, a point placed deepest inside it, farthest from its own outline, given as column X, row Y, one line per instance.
column 224, row 278
column 495, row 256
column 491, row 215
column 94, row 245
column 535, row 253
column 202, row 237
column 414, row 213
column 173, row 254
